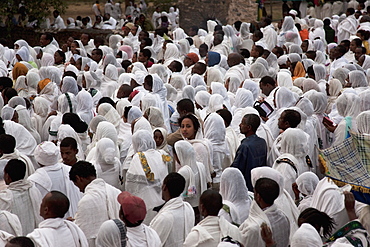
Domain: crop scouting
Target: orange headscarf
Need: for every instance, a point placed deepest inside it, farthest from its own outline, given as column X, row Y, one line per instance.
column 18, row 70
column 298, row 71
column 43, row 83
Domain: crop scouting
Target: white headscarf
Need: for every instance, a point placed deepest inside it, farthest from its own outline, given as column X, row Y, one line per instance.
column 233, row 189
column 357, row 79
column 142, row 141
column 243, row 98
column 363, row 122
column 215, row 132
column 69, row 85
column 306, row 236
column 133, row 114
column 109, row 112
column 85, row 106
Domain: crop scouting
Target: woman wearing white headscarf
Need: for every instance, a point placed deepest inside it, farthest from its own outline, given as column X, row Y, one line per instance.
column 109, row 112
column 124, row 132
column 258, row 71
column 215, row 132
column 104, row 129
column 234, row 193
column 188, row 93
column 40, row 112
column 32, row 80
column 288, row 25
column 333, row 91
column 348, row 106
column 284, row 79
column 253, row 87
column 213, row 75
column 108, row 166
column 201, row 102
column 306, row 184
column 146, row 172
column 21, row 86
column 294, row 141
column 85, row 106
column 25, row 120
column 69, row 85
column 171, row 53
column 219, row 88
column 109, row 84
column 320, row 76
column 155, row 117
column 358, row 80
column 193, row 172
column 66, row 103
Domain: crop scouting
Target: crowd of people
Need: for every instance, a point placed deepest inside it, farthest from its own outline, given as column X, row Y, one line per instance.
column 168, row 138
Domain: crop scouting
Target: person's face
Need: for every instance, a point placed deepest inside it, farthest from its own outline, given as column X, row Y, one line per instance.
column 73, row 46
column 68, row 155
column 69, row 41
column 188, row 62
column 202, row 52
column 15, row 117
column 55, row 15
column 265, row 88
column 96, row 56
column 146, row 85
column 187, row 129
column 332, row 54
column 158, row 138
column 126, row 31
column 254, row 52
column 78, row 64
column 352, row 46
column 58, row 58
column 304, row 46
column 192, row 32
column 84, row 39
column 18, row 57
column 142, row 18
column 281, row 122
column 361, row 60
column 79, row 184
column 244, row 128
column 358, row 53
column 142, row 44
column 171, row 66
column 142, row 36
column 134, row 30
column 134, row 58
column 142, row 58
column 43, row 41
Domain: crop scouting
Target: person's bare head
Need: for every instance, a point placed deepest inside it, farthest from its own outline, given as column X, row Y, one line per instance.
column 234, row 59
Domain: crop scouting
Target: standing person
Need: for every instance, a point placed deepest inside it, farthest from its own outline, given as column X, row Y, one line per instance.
column 212, row 228
column 54, row 230
column 132, row 214
column 21, row 198
column 348, row 26
column 252, row 152
column 96, row 8
column 176, row 217
column 99, row 202
column 58, row 21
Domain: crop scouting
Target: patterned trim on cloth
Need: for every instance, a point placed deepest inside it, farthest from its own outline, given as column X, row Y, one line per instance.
column 122, row 230
column 148, row 172
column 349, row 162
column 348, row 229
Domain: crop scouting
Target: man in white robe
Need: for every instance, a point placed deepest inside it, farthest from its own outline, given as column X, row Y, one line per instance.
column 269, row 34
column 212, row 228
column 236, row 67
column 54, row 176
column 219, row 46
column 58, row 21
column 339, row 61
column 8, row 152
column 264, row 210
column 132, row 213
column 348, row 26
column 46, row 44
column 99, row 202
column 21, row 198
column 54, row 231
column 176, row 217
